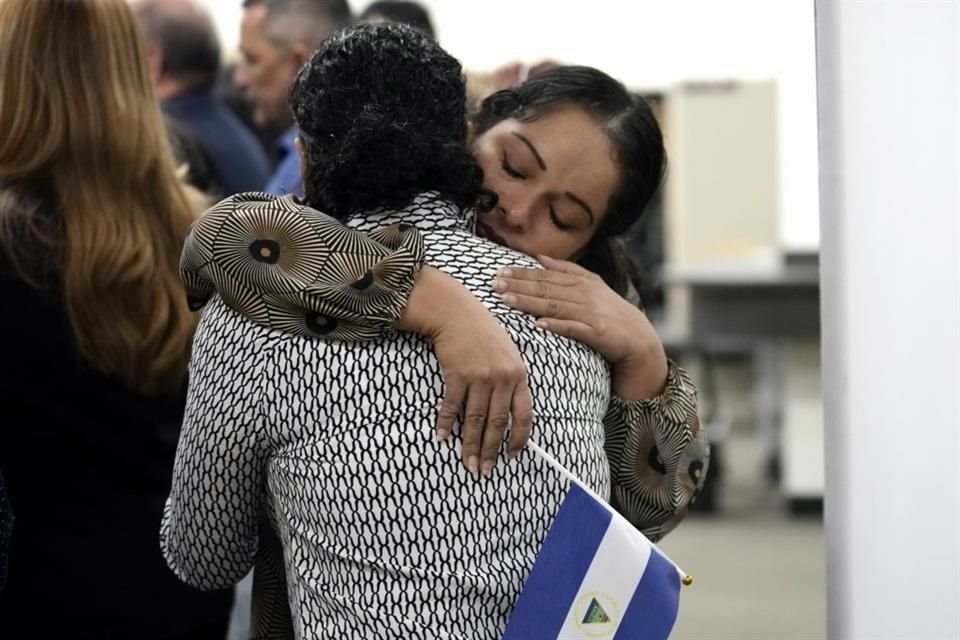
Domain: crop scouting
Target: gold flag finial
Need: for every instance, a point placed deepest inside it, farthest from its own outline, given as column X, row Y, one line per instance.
column 687, row 581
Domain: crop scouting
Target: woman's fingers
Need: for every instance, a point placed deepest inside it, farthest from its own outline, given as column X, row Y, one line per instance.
column 550, row 276
column 546, row 308
column 560, row 291
column 474, row 423
column 489, row 412
column 498, row 419
column 564, row 266
column 579, row 331
column 484, row 376
column 539, row 289
column 522, row 425
column 454, row 394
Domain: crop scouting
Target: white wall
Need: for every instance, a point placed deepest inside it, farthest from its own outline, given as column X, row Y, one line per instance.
column 889, row 79
column 656, row 43
column 651, row 44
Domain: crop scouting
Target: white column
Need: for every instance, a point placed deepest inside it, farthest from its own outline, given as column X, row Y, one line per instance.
column 888, row 83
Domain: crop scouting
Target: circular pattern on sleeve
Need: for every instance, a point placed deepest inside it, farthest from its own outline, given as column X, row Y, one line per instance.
column 289, row 267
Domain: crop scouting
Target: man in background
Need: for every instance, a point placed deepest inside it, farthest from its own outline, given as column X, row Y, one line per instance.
column 276, row 38
column 402, row 11
column 184, row 54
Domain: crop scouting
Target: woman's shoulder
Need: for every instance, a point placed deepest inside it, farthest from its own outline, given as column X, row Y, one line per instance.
column 26, row 199
column 242, row 215
column 29, row 238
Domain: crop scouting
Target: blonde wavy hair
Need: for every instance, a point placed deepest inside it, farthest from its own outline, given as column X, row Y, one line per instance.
column 79, row 117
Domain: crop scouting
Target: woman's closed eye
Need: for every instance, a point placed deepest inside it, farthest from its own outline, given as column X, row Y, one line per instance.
column 510, row 170
column 514, row 173
column 558, row 222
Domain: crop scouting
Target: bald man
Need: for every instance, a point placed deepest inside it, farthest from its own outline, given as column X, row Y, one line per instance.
column 184, row 55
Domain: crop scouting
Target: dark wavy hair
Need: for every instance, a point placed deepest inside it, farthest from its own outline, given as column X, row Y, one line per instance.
column 628, row 121
column 381, row 110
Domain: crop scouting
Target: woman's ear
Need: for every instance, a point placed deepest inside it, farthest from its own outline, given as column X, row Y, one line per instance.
column 471, row 131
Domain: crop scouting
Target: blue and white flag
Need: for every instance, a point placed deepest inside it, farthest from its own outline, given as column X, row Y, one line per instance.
column 595, row 577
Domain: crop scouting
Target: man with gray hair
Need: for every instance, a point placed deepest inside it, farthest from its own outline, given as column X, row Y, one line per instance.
column 184, row 55
column 276, row 38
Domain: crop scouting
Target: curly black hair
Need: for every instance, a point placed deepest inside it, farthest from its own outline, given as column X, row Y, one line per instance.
column 381, row 110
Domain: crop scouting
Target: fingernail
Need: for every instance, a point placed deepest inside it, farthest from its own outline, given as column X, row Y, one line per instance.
column 442, row 434
column 509, row 298
column 543, row 324
column 499, row 285
column 513, row 454
column 472, row 463
column 487, row 467
column 505, row 272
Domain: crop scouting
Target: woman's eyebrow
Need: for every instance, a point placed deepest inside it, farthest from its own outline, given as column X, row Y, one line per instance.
column 533, row 149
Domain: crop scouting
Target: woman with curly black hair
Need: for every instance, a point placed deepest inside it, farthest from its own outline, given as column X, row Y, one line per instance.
column 384, row 534
column 360, row 154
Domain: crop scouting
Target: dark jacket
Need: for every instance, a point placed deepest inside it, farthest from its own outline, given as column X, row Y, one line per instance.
column 239, row 161
column 87, row 466
column 6, row 530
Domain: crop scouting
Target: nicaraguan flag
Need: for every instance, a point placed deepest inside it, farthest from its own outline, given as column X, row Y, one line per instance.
column 595, row 577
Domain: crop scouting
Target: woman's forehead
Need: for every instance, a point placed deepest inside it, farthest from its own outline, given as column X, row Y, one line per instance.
column 577, row 160
column 564, row 130
column 574, row 148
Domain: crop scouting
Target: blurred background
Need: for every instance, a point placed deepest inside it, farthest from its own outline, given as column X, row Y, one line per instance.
column 731, row 248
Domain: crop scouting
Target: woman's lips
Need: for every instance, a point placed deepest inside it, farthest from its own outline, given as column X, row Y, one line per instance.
column 486, row 231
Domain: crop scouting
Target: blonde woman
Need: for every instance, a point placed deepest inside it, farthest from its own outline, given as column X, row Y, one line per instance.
column 94, row 329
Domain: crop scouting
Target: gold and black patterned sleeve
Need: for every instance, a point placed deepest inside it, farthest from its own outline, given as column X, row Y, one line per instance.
column 658, row 455
column 289, row 267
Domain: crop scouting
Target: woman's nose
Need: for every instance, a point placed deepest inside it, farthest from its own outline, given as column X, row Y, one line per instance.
column 515, row 217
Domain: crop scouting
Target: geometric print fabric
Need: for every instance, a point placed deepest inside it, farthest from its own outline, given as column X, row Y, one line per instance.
column 287, row 266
